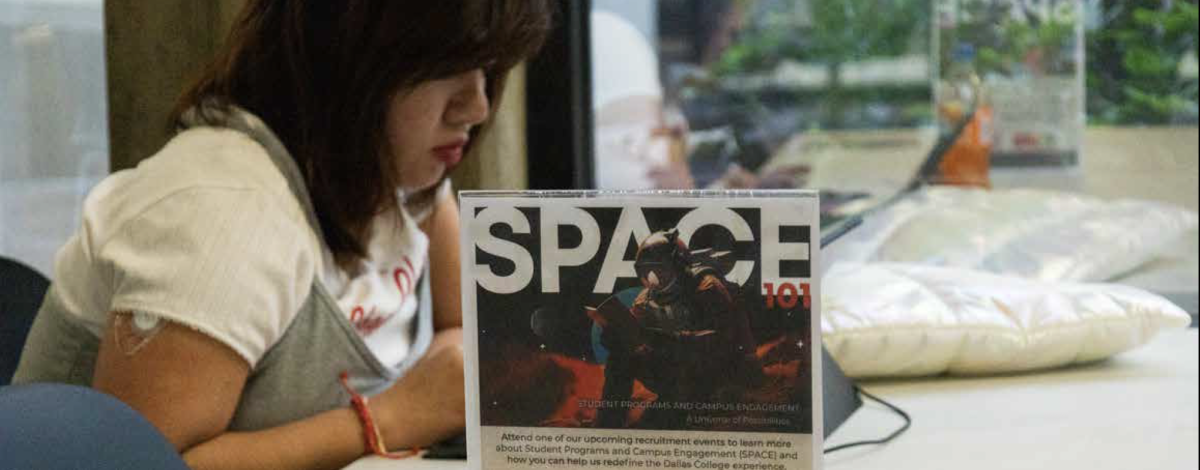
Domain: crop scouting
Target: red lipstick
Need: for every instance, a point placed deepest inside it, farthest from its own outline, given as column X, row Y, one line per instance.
column 450, row 154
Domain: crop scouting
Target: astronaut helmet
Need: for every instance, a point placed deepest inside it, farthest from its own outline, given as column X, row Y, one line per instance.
column 661, row 259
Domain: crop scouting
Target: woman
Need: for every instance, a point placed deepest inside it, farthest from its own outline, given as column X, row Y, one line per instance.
column 281, row 239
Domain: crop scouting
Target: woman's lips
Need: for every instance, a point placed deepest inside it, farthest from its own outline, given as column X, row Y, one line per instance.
column 450, row 154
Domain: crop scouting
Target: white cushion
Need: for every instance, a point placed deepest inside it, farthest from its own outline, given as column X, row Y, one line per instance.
column 1046, row 235
column 889, row 320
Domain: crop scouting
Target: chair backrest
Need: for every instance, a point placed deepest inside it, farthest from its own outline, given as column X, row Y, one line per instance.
column 56, row 426
column 21, row 292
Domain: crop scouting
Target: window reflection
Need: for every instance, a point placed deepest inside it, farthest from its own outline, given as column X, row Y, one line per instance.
column 53, row 122
column 840, row 95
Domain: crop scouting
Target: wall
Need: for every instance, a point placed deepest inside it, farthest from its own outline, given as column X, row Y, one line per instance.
column 154, row 50
column 498, row 160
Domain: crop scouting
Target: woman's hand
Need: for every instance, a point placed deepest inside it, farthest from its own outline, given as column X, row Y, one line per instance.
column 428, row 404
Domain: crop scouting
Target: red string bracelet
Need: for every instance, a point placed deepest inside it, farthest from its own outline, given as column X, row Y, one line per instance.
column 374, row 438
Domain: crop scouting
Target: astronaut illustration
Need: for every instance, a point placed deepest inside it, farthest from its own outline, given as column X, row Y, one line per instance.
column 685, row 337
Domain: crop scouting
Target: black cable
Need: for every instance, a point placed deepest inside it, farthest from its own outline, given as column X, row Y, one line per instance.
column 889, row 438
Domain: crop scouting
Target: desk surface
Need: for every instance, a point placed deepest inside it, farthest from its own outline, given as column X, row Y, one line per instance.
column 1135, row 411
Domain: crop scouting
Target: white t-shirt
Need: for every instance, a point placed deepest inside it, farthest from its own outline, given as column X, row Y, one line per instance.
column 207, row 234
column 381, row 301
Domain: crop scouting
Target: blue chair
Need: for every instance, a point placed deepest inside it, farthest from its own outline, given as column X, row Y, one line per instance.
column 60, row 427
column 21, row 293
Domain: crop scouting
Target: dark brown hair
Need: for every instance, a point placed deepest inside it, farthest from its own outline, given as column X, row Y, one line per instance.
column 321, row 74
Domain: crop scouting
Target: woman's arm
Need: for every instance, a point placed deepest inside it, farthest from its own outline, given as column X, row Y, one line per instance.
column 188, row 385
column 444, row 270
column 330, row 440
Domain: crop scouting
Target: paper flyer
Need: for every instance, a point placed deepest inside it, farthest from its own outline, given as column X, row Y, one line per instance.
column 638, row 330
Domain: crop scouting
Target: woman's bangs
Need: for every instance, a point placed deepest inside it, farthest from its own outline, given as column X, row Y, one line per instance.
column 498, row 34
column 463, row 35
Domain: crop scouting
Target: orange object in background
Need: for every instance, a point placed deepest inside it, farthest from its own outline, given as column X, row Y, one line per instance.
column 968, row 162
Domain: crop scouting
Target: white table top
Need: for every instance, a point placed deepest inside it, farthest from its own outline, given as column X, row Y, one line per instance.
column 1135, row 411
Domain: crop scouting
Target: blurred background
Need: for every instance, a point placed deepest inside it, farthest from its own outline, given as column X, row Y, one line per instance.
column 851, row 97
column 53, row 122
column 762, row 93
column 953, row 126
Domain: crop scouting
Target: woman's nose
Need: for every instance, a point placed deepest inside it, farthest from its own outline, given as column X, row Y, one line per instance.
column 470, row 105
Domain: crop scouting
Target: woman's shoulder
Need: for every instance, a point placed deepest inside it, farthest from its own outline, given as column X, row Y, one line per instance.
column 214, row 157
column 193, row 160
column 165, row 236
column 201, row 172
column 198, row 160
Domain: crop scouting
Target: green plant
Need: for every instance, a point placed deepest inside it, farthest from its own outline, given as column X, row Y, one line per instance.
column 1013, row 39
column 831, row 33
column 838, row 31
column 1134, row 59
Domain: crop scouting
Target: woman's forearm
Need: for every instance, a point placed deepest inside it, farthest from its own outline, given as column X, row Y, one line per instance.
column 330, row 440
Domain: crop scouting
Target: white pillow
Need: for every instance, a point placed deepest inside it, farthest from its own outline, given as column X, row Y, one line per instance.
column 892, row 320
column 1046, row 235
